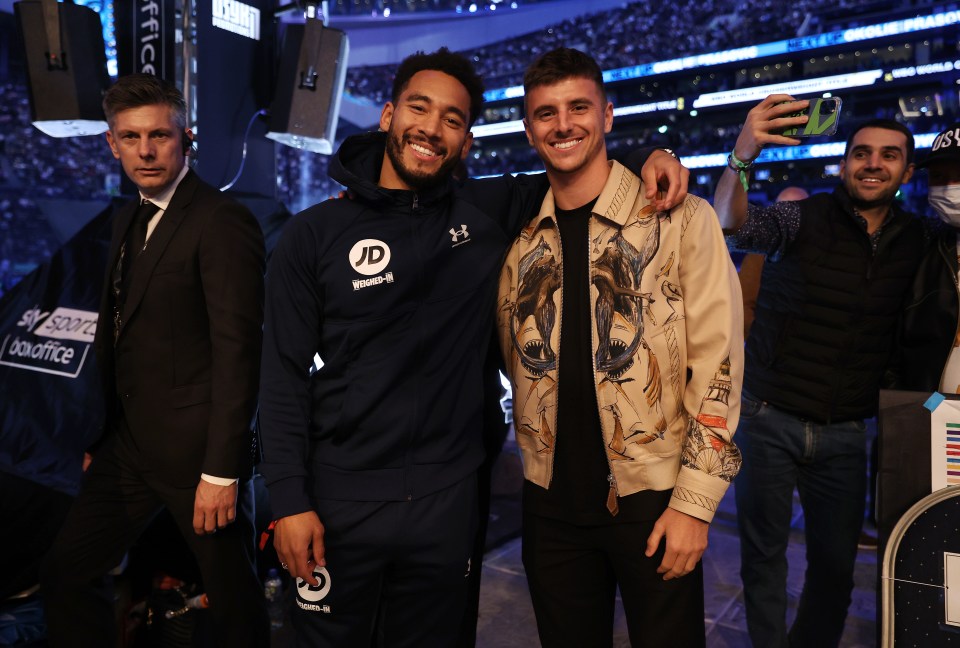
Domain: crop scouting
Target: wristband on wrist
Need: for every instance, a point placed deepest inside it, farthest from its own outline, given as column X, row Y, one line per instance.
column 741, row 168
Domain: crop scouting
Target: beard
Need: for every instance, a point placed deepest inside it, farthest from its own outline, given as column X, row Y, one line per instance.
column 413, row 178
column 883, row 199
column 861, row 203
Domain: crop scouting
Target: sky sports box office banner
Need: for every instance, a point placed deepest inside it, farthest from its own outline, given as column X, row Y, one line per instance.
column 51, row 409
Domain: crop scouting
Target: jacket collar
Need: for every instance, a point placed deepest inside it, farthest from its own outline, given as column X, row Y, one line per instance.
column 609, row 204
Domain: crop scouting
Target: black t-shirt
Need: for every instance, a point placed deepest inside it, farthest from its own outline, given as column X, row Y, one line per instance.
column 579, row 488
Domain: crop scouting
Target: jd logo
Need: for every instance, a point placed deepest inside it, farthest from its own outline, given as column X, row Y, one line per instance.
column 369, row 256
column 314, row 593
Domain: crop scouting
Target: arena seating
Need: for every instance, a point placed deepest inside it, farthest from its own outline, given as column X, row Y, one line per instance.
column 34, row 167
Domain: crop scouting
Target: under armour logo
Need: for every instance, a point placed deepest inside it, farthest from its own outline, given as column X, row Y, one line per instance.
column 459, row 236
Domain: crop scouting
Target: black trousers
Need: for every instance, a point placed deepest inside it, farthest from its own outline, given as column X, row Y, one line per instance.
column 118, row 498
column 573, row 573
column 396, row 572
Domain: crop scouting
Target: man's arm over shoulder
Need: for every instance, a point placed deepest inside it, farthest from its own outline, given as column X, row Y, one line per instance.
column 514, row 200
column 713, row 311
column 665, row 179
column 291, row 336
column 510, row 200
column 231, row 263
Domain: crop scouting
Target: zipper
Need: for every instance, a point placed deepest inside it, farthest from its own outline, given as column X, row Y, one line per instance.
column 418, row 409
column 612, row 505
column 872, row 255
column 559, row 337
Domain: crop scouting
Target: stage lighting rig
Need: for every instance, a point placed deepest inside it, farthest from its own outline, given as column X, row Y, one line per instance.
column 313, row 68
column 66, row 66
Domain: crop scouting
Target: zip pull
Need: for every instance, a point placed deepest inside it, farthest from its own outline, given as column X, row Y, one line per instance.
column 612, row 505
column 416, row 201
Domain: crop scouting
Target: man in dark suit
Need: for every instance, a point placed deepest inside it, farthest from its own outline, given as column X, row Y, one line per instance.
column 178, row 345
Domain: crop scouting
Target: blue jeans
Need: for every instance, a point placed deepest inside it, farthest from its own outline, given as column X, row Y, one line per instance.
column 827, row 465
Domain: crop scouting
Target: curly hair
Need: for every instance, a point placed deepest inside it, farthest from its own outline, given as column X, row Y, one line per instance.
column 443, row 60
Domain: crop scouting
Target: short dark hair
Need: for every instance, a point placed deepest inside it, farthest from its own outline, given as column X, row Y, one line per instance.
column 443, row 60
column 562, row 63
column 886, row 124
column 138, row 90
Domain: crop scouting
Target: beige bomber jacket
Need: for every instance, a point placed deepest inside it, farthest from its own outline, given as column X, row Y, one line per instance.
column 667, row 341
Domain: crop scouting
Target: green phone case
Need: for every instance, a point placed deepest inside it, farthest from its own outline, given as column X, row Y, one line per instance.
column 824, row 119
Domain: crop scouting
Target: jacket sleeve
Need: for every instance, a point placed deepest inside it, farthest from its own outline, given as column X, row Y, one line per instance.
column 713, row 310
column 291, row 337
column 231, row 270
column 768, row 230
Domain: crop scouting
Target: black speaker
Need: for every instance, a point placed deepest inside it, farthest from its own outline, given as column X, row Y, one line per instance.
column 306, row 102
column 66, row 82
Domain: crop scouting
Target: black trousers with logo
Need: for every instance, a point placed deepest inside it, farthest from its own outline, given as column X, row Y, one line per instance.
column 396, row 572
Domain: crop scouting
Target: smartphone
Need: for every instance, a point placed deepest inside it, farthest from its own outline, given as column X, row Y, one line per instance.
column 824, row 118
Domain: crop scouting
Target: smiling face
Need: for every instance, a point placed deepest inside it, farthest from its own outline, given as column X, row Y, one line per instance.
column 150, row 146
column 566, row 123
column 875, row 167
column 427, row 132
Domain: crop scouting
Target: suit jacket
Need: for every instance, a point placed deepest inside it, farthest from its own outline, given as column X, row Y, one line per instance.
column 185, row 366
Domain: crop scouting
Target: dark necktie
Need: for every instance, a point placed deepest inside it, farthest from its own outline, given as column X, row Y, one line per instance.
column 137, row 234
column 132, row 246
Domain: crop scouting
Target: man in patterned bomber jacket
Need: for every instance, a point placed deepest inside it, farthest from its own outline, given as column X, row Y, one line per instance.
column 622, row 332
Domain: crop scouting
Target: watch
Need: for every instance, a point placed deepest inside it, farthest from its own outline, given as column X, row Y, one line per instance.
column 670, row 152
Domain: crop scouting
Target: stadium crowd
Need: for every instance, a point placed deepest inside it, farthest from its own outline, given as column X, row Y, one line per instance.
column 34, row 167
column 638, row 32
column 377, row 7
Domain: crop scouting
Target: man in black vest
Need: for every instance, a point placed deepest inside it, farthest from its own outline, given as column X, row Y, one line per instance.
column 838, row 267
